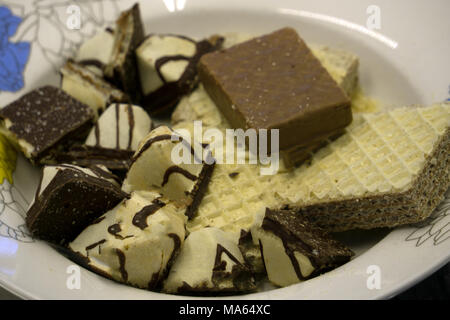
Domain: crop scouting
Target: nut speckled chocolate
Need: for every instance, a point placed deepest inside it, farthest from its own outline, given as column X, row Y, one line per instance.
column 68, row 199
column 275, row 82
column 45, row 122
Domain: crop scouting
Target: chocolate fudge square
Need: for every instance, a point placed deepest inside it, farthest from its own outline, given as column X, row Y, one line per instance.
column 46, row 121
column 275, row 82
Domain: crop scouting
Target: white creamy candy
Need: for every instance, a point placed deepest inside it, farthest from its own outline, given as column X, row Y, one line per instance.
column 157, row 166
column 121, row 126
column 135, row 242
column 153, row 70
column 209, row 261
column 96, row 51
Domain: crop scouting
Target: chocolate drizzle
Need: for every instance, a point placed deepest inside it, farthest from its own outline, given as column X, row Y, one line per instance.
column 117, row 126
column 130, row 114
column 170, row 93
column 140, row 218
column 92, row 246
column 148, row 144
column 154, row 281
column 219, row 264
column 177, row 169
column 122, row 259
column 92, row 62
column 163, row 137
column 97, row 134
column 115, row 229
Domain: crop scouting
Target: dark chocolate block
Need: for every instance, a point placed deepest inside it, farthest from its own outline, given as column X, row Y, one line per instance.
column 275, row 82
column 68, row 199
column 163, row 88
column 122, row 68
column 46, row 121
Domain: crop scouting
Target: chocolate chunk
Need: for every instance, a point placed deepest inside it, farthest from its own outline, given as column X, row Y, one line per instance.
column 68, row 199
column 275, row 82
column 45, row 122
column 122, row 65
column 154, row 168
column 88, row 87
column 293, row 249
column 168, row 68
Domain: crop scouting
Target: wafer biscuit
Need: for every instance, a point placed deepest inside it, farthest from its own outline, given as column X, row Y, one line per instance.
column 388, row 169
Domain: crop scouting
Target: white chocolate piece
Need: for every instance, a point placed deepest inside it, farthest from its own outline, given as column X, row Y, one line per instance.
column 159, row 46
column 209, row 260
column 279, row 268
column 134, row 242
column 98, row 48
column 120, row 126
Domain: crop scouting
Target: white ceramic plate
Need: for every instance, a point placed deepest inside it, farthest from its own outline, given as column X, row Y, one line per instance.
column 403, row 62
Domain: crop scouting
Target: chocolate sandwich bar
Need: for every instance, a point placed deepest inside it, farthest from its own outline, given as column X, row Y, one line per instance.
column 68, row 199
column 209, row 262
column 135, row 242
column 88, row 87
column 122, row 66
column 45, row 122
column 154, row 167
column 275, row 82
column 293, row 249
column 168, row 68
column 113, row 139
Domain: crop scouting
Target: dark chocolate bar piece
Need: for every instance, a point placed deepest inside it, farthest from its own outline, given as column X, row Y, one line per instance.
column 293, row 249
column 168, row 68
column 122, row 66
column 275, row 82
column 68, row 199
column 45, row 122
